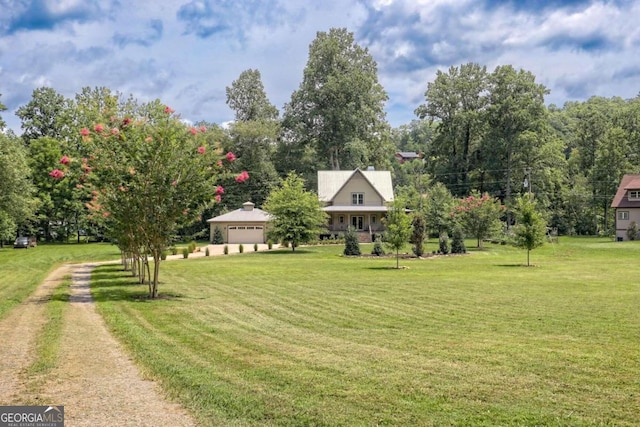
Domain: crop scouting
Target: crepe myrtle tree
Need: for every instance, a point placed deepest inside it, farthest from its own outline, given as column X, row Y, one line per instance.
column 479, row 215
column 147, row 175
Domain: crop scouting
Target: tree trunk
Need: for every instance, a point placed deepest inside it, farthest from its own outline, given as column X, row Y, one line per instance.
column 156, row 273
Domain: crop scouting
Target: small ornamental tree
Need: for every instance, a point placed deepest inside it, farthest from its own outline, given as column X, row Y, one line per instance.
column 531, row 228
column 479, row 215
column 398, row 225
column 351, row 244
column 298, row 217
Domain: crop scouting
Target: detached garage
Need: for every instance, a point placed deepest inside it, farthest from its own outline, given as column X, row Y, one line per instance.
column 245, row 225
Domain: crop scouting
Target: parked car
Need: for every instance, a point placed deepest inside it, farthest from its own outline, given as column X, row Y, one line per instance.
column 24, row 242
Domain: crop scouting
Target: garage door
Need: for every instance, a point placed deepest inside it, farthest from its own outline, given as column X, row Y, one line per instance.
column 246, row 234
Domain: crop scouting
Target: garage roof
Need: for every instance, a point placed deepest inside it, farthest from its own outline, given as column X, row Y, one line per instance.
column 247, row 213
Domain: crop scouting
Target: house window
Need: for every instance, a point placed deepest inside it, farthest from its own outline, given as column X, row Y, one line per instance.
column 357, row 222
column 623, row 215
column 373, row 219
column 357, row 198
column 341, row 219
column 634, row 194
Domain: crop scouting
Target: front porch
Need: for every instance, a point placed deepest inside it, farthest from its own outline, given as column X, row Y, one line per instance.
column 368, row 225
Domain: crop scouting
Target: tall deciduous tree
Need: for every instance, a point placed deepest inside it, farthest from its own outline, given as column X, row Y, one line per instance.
column 338, row 111
column 297, row 214
column 457, row 100
column 531, row 228
column 3, row 124
column 16, row 191
column 398, row 227
column 43, row 116
column 247, row 98
column 516, row 106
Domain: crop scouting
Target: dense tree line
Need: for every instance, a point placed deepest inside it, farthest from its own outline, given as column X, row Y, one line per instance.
column 478, row 132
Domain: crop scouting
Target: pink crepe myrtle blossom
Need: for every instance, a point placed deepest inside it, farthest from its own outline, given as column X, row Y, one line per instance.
column 106, row 214
column 168, row 110
column 218, row 198
column 242, row 177
column 219, row 163
column 201, row 149
column 99, row 128
column 65, row 160
column 148, row 139
column 126, row 121
column 56, row 174
column 115, row 131
column 193, row 131
column 230, row 156
column 219, row 189
column 84, row 132
column 203, row 129
column 79, row 186
column 174, row 183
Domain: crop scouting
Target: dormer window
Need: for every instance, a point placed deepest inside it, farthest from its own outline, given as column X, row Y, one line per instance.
column 357, row 198
column 634, row 194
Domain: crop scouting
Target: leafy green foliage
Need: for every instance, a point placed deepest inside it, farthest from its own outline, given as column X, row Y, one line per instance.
column 419, row 233
column 457, row 242
column 632, row 231
column 351, row 243
column 297, row 214
column 338, row 110
column 531, row 228
column 398, row 227
column 17, row 202
column 479, row 215
column 218, row 239
column 247, row 98
column 377, row 248
column 443, row 243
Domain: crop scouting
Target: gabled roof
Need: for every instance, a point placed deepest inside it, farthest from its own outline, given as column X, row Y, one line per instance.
column 408, row 154
column 331, row 182
column 629, row 182
column 247, row 213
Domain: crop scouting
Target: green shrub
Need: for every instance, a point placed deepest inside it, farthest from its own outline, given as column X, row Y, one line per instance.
column 351, row 244
column 226, row 249
column 185, row 253
column 255, row 247
column 174, row 250
column 457, row 242
column 269, row 244
column 192, row 247
column 163, row 255
column 285, row 244
column 444, row 243
column 217, row 236
column 206, row 252
column 241, row 248
column 632, row 231
column 377, row 248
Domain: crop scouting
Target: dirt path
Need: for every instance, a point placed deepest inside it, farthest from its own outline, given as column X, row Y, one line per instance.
column 95, row 380
column 19, row 331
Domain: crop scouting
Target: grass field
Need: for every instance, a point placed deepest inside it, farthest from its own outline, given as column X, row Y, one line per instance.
column 22, row 270
column 314, row 338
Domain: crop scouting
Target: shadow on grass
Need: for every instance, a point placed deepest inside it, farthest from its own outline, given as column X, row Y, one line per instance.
column 112, row 283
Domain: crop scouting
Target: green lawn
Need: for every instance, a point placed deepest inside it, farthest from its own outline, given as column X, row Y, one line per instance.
column 314, row 338
column 22, row 270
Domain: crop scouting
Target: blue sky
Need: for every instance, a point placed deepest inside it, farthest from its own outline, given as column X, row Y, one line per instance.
column 185, row 52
